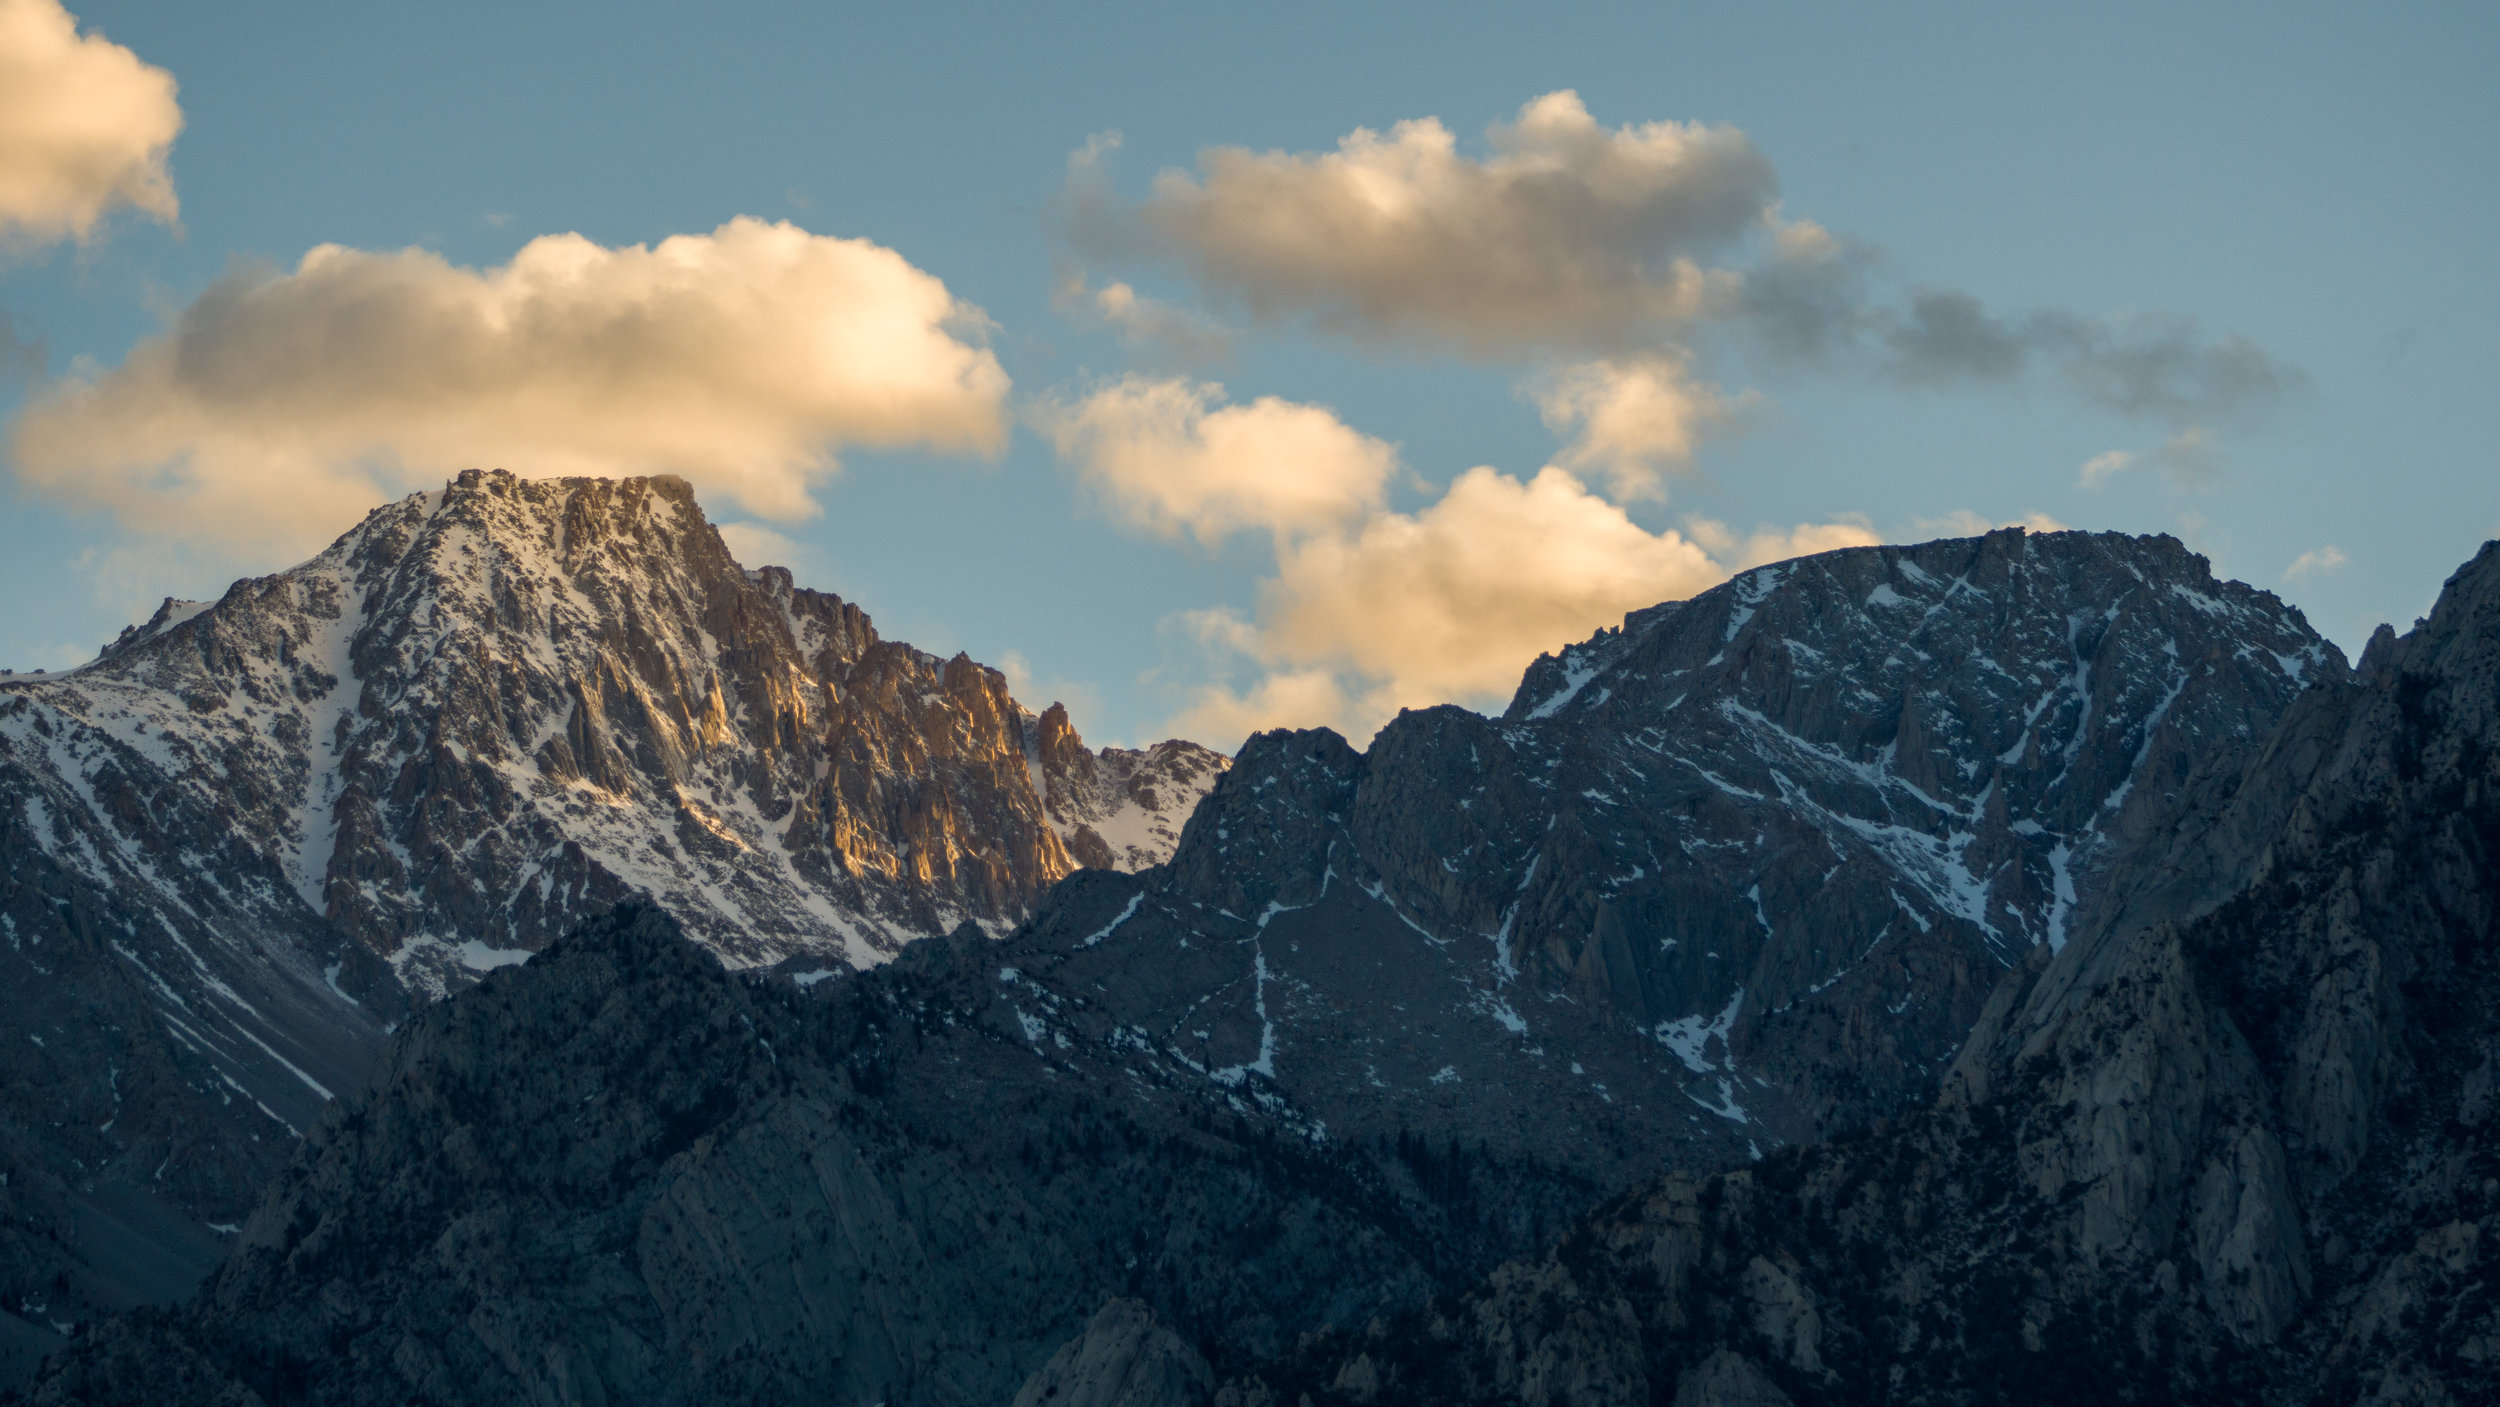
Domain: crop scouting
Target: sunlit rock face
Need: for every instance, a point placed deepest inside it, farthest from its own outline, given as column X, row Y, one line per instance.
column 241, row 843
column 490, row 712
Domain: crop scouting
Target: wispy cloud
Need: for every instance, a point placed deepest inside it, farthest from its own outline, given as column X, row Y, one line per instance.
column 2188, row 459
column 2317, row 561
column 1037, row 692
column 1159, row 331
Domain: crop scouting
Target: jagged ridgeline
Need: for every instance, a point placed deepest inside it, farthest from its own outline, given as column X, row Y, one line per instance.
column 235, row 848
column 2232, row 1145
column 1738, row 875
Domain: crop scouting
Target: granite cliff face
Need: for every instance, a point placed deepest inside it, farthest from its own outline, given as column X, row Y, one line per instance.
column 2232, row 1144
column 1740, row 874
column 241, row 843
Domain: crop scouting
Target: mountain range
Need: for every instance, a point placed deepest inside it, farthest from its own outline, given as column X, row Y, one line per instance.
column 2021, row 967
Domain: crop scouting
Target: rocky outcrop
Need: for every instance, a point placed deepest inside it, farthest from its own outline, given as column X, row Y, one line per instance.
column 239, row 845
column 2232, row 1149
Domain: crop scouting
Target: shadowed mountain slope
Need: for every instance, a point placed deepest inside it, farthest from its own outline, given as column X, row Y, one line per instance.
column 1737, row 874
column 2236, row 1149
column 621, row 1173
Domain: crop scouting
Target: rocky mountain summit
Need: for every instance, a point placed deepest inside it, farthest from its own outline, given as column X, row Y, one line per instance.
column 243, row 841
column 1737, row 874
column 1740, row 874
column 2232, row 1144
column 490, row 712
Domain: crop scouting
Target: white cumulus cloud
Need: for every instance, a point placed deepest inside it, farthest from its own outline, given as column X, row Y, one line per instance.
column 1451, row 604
column 1454, row 601
column 85, row 126
column 1632, row 420
column 1370, row 610
column 280, row 404
column 1170, row 456
column 1566, row 233
column 1038, row 691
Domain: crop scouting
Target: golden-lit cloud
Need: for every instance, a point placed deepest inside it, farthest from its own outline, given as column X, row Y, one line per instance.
column 1566, row 237
column 1222, row 717
column 85, row 126
column 1369, row 610
column 1169, row 457
column 280, row 404
column 1631, row 420
column 1567, row 233
column 1452, row 603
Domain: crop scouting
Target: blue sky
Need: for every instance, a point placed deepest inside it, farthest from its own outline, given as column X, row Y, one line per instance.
column 2315, row 182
